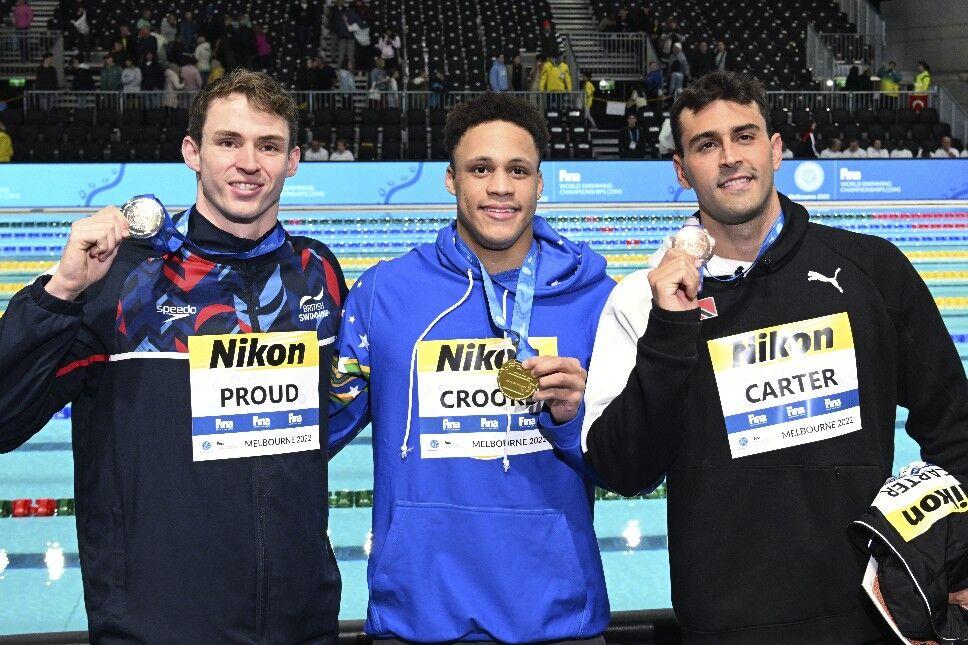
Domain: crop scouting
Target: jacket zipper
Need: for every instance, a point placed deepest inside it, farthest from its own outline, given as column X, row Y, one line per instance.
column 258, row 479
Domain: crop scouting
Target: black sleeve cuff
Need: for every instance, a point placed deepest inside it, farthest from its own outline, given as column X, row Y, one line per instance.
column 673, row 333
column 52, row 303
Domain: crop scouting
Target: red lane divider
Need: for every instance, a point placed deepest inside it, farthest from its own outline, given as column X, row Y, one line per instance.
column 947, row 215
column 937, row 226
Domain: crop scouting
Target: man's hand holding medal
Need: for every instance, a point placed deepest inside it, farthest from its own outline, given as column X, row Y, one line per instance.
column 677, row 280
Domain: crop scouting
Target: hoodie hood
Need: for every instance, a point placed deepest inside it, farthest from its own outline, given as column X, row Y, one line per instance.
column 563, row 266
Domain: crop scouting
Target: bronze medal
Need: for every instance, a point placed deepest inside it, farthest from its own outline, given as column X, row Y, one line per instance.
column 516, row 382
column 694, row 240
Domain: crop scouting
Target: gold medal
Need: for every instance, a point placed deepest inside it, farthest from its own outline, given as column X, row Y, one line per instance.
column 516, row 382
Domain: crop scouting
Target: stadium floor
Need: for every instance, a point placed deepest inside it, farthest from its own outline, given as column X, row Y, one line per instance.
column 40, row 586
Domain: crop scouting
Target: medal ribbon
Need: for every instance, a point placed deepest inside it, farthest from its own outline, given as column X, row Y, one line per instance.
column 174, row 234
column 523, row 298
column 768, row 241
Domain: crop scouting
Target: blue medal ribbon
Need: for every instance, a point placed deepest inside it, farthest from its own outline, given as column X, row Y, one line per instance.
column 768, row 241
column 520, row 322
column 174, row 234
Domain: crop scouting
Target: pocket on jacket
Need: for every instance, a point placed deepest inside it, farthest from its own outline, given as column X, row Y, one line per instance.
column 445, row 571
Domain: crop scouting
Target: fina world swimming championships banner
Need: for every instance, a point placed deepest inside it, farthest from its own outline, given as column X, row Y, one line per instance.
column 422, row 183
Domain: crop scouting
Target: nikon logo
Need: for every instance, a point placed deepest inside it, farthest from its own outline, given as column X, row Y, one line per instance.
column 472, row 357
column 763, row 347
column 931, row 502
column 245, row 352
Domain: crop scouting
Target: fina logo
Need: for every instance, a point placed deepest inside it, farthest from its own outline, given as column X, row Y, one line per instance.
column 566, row 177
column 808, row 176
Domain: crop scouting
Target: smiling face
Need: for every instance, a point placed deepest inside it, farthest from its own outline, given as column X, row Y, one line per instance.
column 496, row 180
column 729, row 159
column 241, row 162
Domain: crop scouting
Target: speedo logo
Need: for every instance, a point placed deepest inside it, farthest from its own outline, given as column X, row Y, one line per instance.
column 472, row 357
column 769, row 346
column 949, row 499
column 176, row 312
column 245, row 352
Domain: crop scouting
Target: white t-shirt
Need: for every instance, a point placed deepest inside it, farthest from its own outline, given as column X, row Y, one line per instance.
column 346, row 155
column 860, row 153
column 878, row 154
column 319, row 155
column 901, row 153
column 964, row 153
column 827, row 153
column 787, row 153
column 941, row 153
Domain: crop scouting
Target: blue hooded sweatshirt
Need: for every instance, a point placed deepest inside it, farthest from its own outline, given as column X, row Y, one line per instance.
column 481, row 530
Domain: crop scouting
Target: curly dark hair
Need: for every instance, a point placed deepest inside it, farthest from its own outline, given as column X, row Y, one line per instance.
column 495, row 106
column 718, row 86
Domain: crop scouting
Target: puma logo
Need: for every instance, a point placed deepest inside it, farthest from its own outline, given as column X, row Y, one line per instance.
column 813, row 275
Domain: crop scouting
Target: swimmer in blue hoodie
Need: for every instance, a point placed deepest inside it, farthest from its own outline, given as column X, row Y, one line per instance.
column 482, row 532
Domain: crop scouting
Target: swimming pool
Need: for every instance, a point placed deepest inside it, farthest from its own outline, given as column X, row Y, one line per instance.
column 40, row 587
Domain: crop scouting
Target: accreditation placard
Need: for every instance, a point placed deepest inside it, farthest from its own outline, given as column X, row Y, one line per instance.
column 787, row 385
column 254, row 394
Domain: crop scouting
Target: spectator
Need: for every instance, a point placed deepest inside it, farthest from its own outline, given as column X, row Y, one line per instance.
column 146, row 43
column 854, row 151
column 324, row 76
column 722, row 64
column 866, row 84
column 418, row 82
column 169, row 29
column 81, row 33
column 667, row 144
column 922, row 82
column 347, row 82
column 305, row 19
column 638, row 19
column 316, row 152
column 110, row 77
column 808, row 142
column 654, row 82
column 548, row 42
column 341, row 17
column 534, row 74
column 263, row 50
column 188, row 30
column 388, row 45
column 964, row 152
column 621, row 20
column 607, row 23
column 787, row 153
column 678, row 68
column 81, row 80
column 172, row 85
column 517, row 74
column 877, row 150
column 832, row 151
column 22, row 14
column 670, row 36
column 653, row 30
column 145, row 20
column 588, row 93
column 630, row 144
column 47, row 75
column 127, row 42
column 152, row 75
column 704, row 60
column 555, row 75
column 376, row 82
column 945, row 151
column 498, row 76
column 853, row 84
column 393, row 89
column 6, row 145
column 217, row 71
column 203, row 56
column 439, row 88
column 342, row 153
column 161, row 46
column 130, row 77
column 890, row 79
column 903, row 150
column 243, row 42
column 190, row 75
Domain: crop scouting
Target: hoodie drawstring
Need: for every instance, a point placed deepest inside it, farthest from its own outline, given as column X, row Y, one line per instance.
column 404, row 447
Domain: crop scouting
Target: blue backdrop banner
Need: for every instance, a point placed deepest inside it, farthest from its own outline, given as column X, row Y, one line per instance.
column 422, row 182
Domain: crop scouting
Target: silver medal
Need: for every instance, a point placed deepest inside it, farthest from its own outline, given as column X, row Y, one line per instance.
column 145, row 216
column 694, row 240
